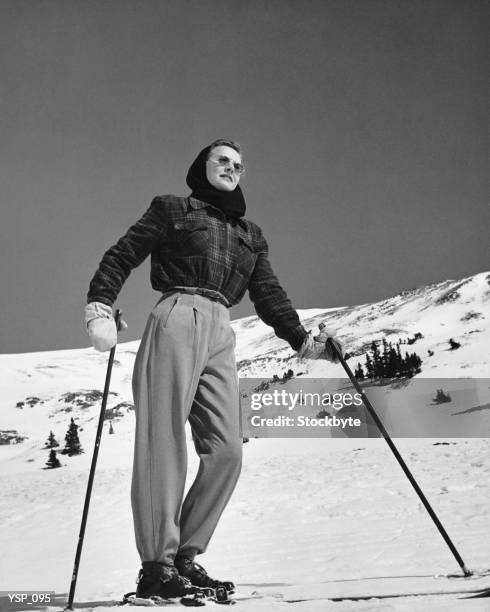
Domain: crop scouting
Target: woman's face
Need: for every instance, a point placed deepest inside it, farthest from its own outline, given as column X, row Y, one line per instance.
column 224, row 168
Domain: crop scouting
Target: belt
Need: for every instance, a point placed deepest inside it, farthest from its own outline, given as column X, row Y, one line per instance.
column 208, row 293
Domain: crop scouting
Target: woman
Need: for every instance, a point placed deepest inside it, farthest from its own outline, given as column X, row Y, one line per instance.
column 204, row 256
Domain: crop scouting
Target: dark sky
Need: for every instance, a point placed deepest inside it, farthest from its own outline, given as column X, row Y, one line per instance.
column 364, row 125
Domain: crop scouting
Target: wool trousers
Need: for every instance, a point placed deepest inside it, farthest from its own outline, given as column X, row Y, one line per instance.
column 185, row 370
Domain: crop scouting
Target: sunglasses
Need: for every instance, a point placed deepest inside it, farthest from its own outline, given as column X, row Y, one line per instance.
column 223, row 160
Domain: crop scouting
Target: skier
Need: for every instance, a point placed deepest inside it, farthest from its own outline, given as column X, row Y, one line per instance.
column 204, row 256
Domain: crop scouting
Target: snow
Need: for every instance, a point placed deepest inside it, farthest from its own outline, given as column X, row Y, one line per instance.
column 309, row 516
column 331, row 510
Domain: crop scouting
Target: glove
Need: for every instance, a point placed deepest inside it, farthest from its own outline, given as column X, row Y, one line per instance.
column 101, row 326
column 316, row 347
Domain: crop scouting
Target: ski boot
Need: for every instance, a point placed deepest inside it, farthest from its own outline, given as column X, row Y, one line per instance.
column 198, row 576
column 162, row 581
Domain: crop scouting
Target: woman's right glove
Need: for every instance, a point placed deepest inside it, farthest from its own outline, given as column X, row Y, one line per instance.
column 316, row 347
column 101, row 326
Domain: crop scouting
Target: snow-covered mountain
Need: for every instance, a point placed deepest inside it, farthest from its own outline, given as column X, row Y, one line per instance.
column 451, row 309
column 304, row 512
column 41, row 391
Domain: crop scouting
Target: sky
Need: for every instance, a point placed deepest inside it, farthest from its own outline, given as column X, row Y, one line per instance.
column 364, row 126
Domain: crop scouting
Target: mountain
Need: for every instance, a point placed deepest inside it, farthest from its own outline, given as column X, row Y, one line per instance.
column 42, row 391
column 308, row 515
column 458, row 309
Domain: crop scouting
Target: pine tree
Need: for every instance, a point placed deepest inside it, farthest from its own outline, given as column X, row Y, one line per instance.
column 442, row 397
column 53, row 461
column 51, row 442
column 369, row 367
column 359, row 373
column 415, row 363
column 72, row 446
column 384, row 360
column 399, row 361
column 392, row 363
column 377, row 362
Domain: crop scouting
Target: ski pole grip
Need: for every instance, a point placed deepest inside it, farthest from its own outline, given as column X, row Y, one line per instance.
column 117, row 318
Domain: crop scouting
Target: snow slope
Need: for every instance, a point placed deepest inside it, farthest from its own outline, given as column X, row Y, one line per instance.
column 305, row 511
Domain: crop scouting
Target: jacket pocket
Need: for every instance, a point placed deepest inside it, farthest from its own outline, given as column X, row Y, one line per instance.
column 190, row 238
column 246, row 256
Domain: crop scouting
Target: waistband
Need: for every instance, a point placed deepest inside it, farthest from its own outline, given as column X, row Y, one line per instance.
column 216, row 296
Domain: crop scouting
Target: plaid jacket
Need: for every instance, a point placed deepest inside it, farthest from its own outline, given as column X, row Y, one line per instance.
column 192, row 244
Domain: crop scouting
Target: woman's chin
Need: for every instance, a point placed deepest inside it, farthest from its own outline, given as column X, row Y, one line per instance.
column 225, row 186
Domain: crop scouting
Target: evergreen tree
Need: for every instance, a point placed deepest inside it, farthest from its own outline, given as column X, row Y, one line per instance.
column 369, row 367
column 441, row 397
column 415, row 363
column 53, row 461
column 359, row 373
column 392, row 363
column 72, row 441
column 51, row 441
column 384, row 360
column 111, row 428
column 399, row 361
column 377, row 363
column 405, row 369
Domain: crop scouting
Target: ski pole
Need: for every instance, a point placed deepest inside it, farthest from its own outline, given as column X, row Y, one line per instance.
column 69, row 605
column 400, row 460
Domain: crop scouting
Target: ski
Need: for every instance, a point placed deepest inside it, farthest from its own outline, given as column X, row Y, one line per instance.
column 483, row 593
column 376, row 587
column 471, row 594
column 409, row 594
column 350, row 589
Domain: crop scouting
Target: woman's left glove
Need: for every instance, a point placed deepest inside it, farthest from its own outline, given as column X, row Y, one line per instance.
column 316, row 347
column 101, row 326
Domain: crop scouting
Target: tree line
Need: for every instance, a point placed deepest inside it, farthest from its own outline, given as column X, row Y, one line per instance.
column 388, row 362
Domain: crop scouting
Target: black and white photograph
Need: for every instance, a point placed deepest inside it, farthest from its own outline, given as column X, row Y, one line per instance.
column 245, row 306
